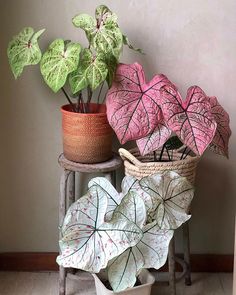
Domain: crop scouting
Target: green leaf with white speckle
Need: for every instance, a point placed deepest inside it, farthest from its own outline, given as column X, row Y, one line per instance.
column 23, row 50
column 58, row 61
column 92, row 71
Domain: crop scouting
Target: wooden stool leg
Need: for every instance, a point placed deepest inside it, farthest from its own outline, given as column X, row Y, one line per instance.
column 186, row 245
column 62, row 212
column 108, row 176
column 171, row 264
column 71, row 189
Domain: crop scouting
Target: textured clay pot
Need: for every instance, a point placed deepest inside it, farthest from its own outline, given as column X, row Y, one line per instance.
column 87, row 138
column 145, row 277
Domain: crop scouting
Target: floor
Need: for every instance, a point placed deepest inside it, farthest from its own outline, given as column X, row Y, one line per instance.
column 25, row 283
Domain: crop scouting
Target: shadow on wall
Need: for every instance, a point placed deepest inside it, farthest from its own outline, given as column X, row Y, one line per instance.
column 212, row 201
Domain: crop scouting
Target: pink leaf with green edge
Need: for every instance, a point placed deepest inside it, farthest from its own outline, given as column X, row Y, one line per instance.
column 133, row 107
column 154, row 140
column 220, row 141
column 191, row 119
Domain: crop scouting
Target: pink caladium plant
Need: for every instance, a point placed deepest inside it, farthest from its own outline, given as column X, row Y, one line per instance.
column 190, row 119
column 220, row 141
column 133, row 106
column 152, row 112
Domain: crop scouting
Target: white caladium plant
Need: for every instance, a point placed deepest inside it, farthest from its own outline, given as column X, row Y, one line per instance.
column 124, row 232
column 153, row 112
column 64, row 60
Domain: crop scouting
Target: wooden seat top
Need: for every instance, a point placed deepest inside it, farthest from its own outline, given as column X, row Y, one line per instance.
column 111, row 165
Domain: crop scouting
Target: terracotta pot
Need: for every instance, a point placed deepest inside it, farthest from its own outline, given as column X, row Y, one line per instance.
column 146, row 279
column 87, row 138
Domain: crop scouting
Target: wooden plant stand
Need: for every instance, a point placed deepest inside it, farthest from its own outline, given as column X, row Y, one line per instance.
column 67, row 191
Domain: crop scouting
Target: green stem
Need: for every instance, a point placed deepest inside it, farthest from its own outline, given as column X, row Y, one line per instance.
column 68, row 98
column 155, row 156
column 168, row 154
column 90, row 94
column 100, row 91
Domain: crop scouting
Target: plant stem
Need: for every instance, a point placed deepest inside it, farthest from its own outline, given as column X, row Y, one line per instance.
column 90, row 94
column 187, row 154
column 168, row 154
column 162, row 151
column 68, row 98
column 155, row 156
column 100, row 91
column 182, row 156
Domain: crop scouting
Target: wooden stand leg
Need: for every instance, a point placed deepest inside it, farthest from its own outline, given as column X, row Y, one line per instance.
column 71, row 189
column 186, row 245
column 171, row 264
column 62, row 212
column 108, row 176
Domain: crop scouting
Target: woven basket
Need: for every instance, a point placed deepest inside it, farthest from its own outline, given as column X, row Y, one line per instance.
column 141, row 166
column 87, row 138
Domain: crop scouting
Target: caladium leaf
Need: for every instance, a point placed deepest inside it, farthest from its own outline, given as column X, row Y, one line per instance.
column 23, row 50
column 58, row 61
column 154, row 140
column 131, row 184
column 171, row 196
column 127, row 42
column 191, row 119
column 88, row 242
column 92, row 71
column 103, row 33
column 220, row 141
column 150, row 252
column 132, row 104
column 114, row 198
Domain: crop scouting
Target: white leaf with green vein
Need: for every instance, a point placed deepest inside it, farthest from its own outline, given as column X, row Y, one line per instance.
column 23, row 50
column 114, row 198
column 88, row 242
column 92, row 71
column 150, row 252
column 171, row 196
column 58, row 61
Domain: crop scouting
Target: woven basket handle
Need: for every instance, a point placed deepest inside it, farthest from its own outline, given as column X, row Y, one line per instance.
column 126, row 155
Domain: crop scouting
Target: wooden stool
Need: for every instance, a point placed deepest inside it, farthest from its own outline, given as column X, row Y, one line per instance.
column 67, row 190
column 185, row 262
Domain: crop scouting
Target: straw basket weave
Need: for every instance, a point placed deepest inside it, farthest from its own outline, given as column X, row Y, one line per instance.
column 141, row 166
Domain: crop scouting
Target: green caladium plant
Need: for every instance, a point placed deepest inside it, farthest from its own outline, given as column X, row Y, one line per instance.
column 24, row 50
column 124, row 232
column 58, row 61
column 85, row 68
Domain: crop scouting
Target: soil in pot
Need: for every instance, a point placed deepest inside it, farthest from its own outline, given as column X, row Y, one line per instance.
column 108, row 286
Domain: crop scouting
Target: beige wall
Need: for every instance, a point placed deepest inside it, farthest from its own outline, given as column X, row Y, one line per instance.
column 193, row 42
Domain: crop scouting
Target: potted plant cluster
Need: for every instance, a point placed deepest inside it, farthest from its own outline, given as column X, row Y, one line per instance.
column 171, row 133
column 117, row 236
column 87, row 135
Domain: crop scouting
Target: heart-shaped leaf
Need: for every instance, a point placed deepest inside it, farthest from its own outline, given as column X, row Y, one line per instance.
column 154, row 140
column 23, row 50
column 220, row 141
column 132, row 104
column 114, row 198
column 103, row 33
column 150, row 252
column 191, row 119
column 171, row 196
column 58, row 61
column 127, row 42
column 92, row 71
column 88, row 242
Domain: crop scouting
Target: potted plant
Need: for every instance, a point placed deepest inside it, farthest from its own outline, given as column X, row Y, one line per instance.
column 87, row 135
column 171, row 133
column 116, row 236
